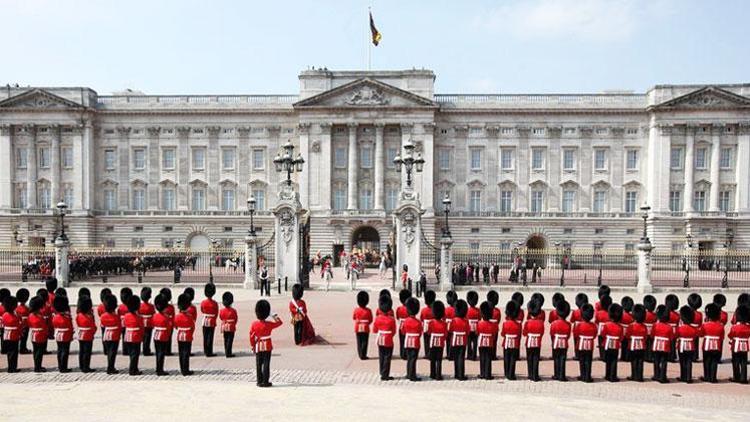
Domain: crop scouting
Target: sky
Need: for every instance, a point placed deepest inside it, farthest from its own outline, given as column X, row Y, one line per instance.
column 259, row 47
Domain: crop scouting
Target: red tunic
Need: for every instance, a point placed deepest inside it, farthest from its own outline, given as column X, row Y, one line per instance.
column 100, row 309
column 636, row 335
column 23, row 313
column 362, row 319
column 412, row 332
column 511, row 333
column 385, row 328
column 37, row 328
column 426, row 316
column 472, row 316
column 713, row 336
column 626, row 320
column 86, row 326
column 686, row 335
column 401, row 315
column 378, row 313
column 210, row 311
column 723, row 317
column 111, row 324
column 133, row 328
column 162, row 324
column 520, row 316
column 674, row 320
column 260, row 335
column 228, row 316
column 542, row 315
column 612, row 333
column 662, row 335
column 146, row 311
column 185, row 325
column 698, row 319
column 553, row 316
column 193, row 312
column 575, row 316
column 533, row 330
column 584, row 333
column 63, row 325
column 12, row 327
column 437, row 330
column 650, row 321
column 559, row 332
column 459, row 329
column 122, row 310
column 600, row 318
column 487, row 332
column 170, row 311
column 739, row 337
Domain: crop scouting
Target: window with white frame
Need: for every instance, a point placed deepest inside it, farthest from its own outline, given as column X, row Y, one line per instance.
column 260, row 199
column 22, row 156
column 67, row 157
column 22, row 197
column 339, row 157
column 168, row 158
column 198, row 199
column 600, row 159
column 537, row 201
column 391, row 199
column 506, row 158
column 44, row 157
column 506, row 201
column 568, row 200
column 139, row 159
column 700, row 158
column 390, row 154
column 600, row 201
column 139, row 199
column 227, row 199
column 537, row 159
column 631, row 201
column 365, row 155
column 259, row 159
column 228, row 158
column 110, row 159
column 110, row 199
column 725, row 158
column 444, row 158
column 699, row 200
column 476, row 158
column 339, row 199
column 632, row 159
column 569, row 159
column 168, row 201
column 68, row 196
column 725, row 201
column 365, row 199
column 675, row 158
column 45, row 196
column 475, row 200
column 675, row 201
column 199, row 158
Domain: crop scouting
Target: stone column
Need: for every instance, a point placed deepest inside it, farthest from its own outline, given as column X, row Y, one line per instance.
column 428, row 176
column 304, row 177
column 715, row 180
column 31, row 168
column 523, row 168
column 742, row 172
column 657, row 182
column 585, row 171
column 446, row 263
column 84, row 189
column 287, row 215
column 62, row 272
column 644, row 266
column 213, row 169
column 154, row 167
column 123, row 170
column 6, row 169
column 352, row 168
column 687, row 202
column 552, row 166
column 326, row 152
column 251, row 262
column 379, row 163
column 183, row 168
column 55, row 165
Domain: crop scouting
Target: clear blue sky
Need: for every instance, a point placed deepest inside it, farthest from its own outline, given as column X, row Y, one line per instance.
column 222, row 46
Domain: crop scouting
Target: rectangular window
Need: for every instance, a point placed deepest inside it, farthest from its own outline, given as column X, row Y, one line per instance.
column 227, row 200
column 569, row 159
column 506, row 201
column 390, row 155
column 700, row 158
column 44, row 158
column 21, row 158
column 476, row 159
column 168, row 199
column 67, row 157
column 22, row 198
column 168, row 158
column 365, row 155
column 199, row 158
column 391, row 199
column 632, row 159
column 139, row 199
column 537, row 201
column 537, row 159
column 137, row 243
column 109, row 159
column 675, row 158
column 506, row 159
column 725, row 158
column 505, row 246
column 199, row 199
column 227, row 158
column 474, row 246
column 45, row 197
column 110, row 200
column 139, row 159
column 339, row 199
column 475, row 201
column 339, row 158
column 675, row 202
column 725, row 201
column 260, row 199
column 631, row 201
column 600, row 159
column 259, row 159
column 699, row 200
column 365, row 199
column 444, row 158
column 568, row 202
column 600, row 201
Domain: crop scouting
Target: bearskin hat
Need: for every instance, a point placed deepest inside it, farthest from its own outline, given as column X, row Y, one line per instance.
column 438, row 309
column 687, row 314
column 461, row 308
column 403, row 295
column 209, row 290
column 649, row 302
column 587, row 312
column 581, row 299
column 662, row 313
column 627, row 303
column 472, row 298
column 720, row 300
column 227, row 299
column 695, row 301
column 22, row 295
column 534, row 307
column 363, row 298
column 412, row 306
column 385, row 304
column 672, row 302
column 84, row 305
column 713, row 312
column 511, row 309
column 146, row 294
column 639, row 313
column 562, row 308
column 183, row 302
column 429, row 297
column 297, row 291
column 493, row 298
column 451, row 297
column 61, row 304
column 262, row 309
column 486, row 310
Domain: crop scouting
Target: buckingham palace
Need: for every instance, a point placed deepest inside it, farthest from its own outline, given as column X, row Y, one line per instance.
column 151, row 171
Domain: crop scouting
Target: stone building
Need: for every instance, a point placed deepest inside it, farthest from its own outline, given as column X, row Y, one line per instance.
column 542, row 170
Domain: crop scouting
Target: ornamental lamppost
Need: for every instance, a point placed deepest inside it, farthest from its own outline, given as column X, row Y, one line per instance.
column 61, row 208
column 644, row 216
column 446, row 211
column 214, row 245
column 251, row 202
column 562, row 264
column 686, row 260
column 644, row 256
column 409, row 161
column 284, row 161
column 727, row 244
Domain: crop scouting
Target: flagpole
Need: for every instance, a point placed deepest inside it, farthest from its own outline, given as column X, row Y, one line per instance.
column 369, row 44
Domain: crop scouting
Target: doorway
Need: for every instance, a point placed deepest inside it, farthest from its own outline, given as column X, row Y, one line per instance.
column 535, row 246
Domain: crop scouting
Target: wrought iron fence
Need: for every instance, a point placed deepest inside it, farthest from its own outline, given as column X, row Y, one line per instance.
column 266, row 254
column 429, row 259
column 24, row 264
column 701, row 268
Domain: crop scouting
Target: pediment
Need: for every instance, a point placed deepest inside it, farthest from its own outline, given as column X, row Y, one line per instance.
column 507, row 182
column 445, row 183
column 476, row 183
column 709, row 97
column 365, row 93
column 38, row 99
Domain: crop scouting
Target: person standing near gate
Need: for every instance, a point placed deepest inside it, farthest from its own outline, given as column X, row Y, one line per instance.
column 265, row 283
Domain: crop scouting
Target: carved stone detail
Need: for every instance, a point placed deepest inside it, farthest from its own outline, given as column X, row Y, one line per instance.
column 213, row 130
column 244, row 130
column 315, row 147
column 153, row 130
column 286, row 224
column 409, row 227
column 183, row 130
column 123, row 130
column 367, row 95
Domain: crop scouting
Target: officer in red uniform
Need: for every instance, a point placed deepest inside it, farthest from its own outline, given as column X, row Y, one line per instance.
column 412, row 333
column 11, row 333
column 695, row 302
column 661, row 344
column 300, row 322
column 542, row 314
column 649, row 302
column 170, row 312
column 458, row 334
column 713, row 339
column 210, row 311
column 575, row 318
column 585, row 333
column 425, row 315
column 162, row 324
column 22, row 311
column 185, row 326
column 493, row 298
column 146, row 312
column 533, row 330
column 37, row 331
column 133, row 324
column 511, row 332
column 102, row 308
column 385, row 328
column 437, row 332
column 122, row 310
column 401, row 315
column 613, row 334
column 486, row 332
column 627, row 303
column 720, row 300
column 86, row 331
column 601, row 319
column 686, row 335
column 51, row 286
column 362, row 317
column 63, row 325
column 46, row 312
column 228, row 316
column 260, row 341
column 559, row 332
column 110, row 323
column 636, row 335
column 739, row 337
column 672, row 302
column 472, row 316
column 450, row 312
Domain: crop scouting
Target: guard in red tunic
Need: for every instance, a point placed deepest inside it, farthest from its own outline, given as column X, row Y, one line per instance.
column 63, row 325
column 511, row 332
column 51, row 286
column 437, row 332
column 192, row 310
column 37, row 331
column 533, row 330
column 585, row 334
column 122, row 310
column 362, row 317
column 661, row 334
column 695, row 302
column 493, row 298
column 210, row 311
column 686, row 335
column 627, row 319
column 636, row 335
column 401, row 315
column 542, row 314
column 672, row 302
column 486, row 331
column 304, row 333
column 378, row 312
column 559, row 332
column 556, row 298
column 169, row 311
column 720, row 300
column 604, row 290
column 450, row 312
column 133, row 333
column 22, row 311
column 412, row 333
column 47, row 312
column 228, row 316
column 260, row 342
column 613, row 334
column 713, row 339
column 458, row 334
column 4, row 293
column 649, row 302
column 11, row 333
column 146, row 312
column 575, row 318
column 739, row 337
column 425, row 315
column 601, row 318
column 86, row 331
column 185, row 326
column 162, row 324
column 385, row 328
column 102, row 308
column 110, row 323
column 472, row 316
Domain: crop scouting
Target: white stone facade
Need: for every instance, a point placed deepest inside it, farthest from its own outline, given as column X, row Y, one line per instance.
column 141, row 170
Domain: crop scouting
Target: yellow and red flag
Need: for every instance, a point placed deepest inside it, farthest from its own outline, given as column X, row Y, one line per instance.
column 376, row 36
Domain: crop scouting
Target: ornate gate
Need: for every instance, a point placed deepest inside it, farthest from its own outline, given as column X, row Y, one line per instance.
column 266, row 253
column 304, row 252
column 429, row 260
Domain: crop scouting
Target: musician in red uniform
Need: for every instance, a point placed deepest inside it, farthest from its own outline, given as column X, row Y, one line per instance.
column 458, row 334
column 228, row 316
column 661, row 334
column 260, row 341
column 37, row 331
column 110, row 323
column 672, row 302
column 450, row 312
column 739, row 337
column 695, row 302
column 11, row 332
column 585, row 333
column 559, row 332
column 472, row 316
column 533, row 330
column 575, row 318
column 601, row 318
column 22, row 311
column 185, row 326
column 385, row 328
column 493, row 298
column 437, row 332
column 146, row 311
column 425, row 315
column 210, row 311
column 686, row 335
column 627, row 304
column 401, row 315
column 486, row 331
column 636, row 335
column 304, row 333
column 63, row 325
column 362, row 317
column 122, row 310
column 412, row 333
column 133, row 324
column 86, row 331
column 713, row 339
column 649, row 302
column 511, row 332
column 169, row 311
column 162, row 324
column 613, row 334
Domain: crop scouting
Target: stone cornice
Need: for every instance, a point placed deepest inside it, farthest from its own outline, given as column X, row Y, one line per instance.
column 183, row 130
column 213, row 130
column 244, row 130
column 304, row 127
column 153, row 130
column 4, row 130
column 123, row 130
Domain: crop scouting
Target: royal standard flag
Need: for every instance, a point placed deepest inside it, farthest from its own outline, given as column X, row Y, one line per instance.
column 375, row 34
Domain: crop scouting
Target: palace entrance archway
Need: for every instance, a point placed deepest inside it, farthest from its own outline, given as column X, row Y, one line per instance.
column 366, row 238
column 535, row 251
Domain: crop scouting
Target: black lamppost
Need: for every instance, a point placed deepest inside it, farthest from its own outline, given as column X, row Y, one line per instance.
column 686, row 263
column 214, row 244
column 562, row 264
column 409, row 161
column 645, row 210
column 61, row 208
column 727, row 245
column 286, row 162
column 251, row 202
column 446, row 211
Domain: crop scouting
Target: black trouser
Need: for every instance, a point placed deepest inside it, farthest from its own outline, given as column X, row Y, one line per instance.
column 636, row 365
column 147, row 332
column 362, row 339
column 648, row 355
column 459, row 359
column 436, row 363
column 673, row 351
column 102, row 332
column 183, row 348
column 625, row 348
column 208, row 341
column 265, row 285
column 560, row 356
column 263, row 368
column 426, row 345
column 38, row 350
column 63, row 352
column 494, row 348
column 411, row 363
column 169, row 346
column 610, row 359
column 660, row 366
column 125, row 346
column 134, row 351
column 401, row 348
column 298, row 326
column 711, row 360
column 11, row 349
column 448, row 340
column 485, row 363
column 696, row 348
column 601, row 348
column 739, row 367
column 84, row 355
column 585, row 358
column 686, row 366
column 228, row 341
column 23, row 347
column 510, row 357
column 161, row 353
column 471, row 352
column 384, row 356
column 532, row 362
column 110, row 349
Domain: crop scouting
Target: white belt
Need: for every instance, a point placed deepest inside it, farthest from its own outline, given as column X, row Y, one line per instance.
column 686, row 344
column 131, row 329
column 86, row 328
column 636, row 341
column 560, row 340
column 425, row 323
column 584, row 341
column 183, row 329
column 264, row 338
column 711, row 341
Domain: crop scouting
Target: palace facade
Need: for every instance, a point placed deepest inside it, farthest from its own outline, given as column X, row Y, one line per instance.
column 542, row 170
